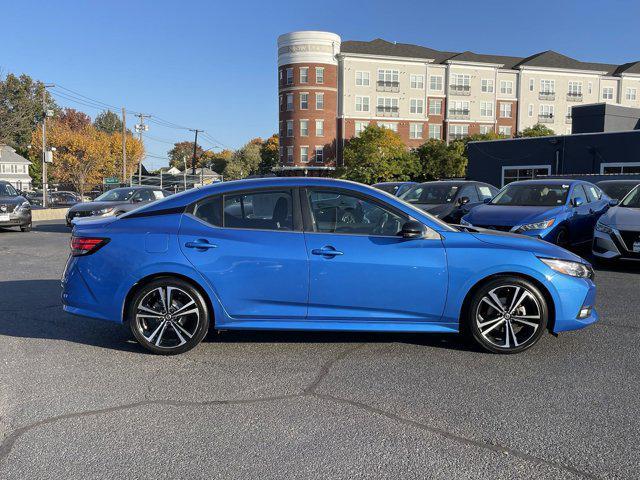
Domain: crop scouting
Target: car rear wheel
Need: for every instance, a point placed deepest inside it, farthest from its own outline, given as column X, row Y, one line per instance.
column 507, row 315
column 168, row 316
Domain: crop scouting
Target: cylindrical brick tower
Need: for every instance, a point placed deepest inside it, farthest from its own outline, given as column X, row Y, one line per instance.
column 308, row 102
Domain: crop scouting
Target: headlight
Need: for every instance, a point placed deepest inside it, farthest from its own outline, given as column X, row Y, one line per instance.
column 573, row 269
column 104, row 211
column 465, row 223
column 24, row 206
column 536, row 226
column 601, row 227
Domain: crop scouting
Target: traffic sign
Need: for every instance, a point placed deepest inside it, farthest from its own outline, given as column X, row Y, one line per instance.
column 111, row 181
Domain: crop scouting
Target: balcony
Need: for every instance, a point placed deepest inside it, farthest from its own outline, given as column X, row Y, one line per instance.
column 568, row 119
column 545, row 118
column 383, row 86
column 546, row 95
column 574, row 97
column 387, row 111
column 462, row 90
column 458, row 114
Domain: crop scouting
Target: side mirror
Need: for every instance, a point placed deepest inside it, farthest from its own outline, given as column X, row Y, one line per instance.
column 613, row 202
column 463, row 201
column 576, row 202
column 486, row 200
column 412, row 229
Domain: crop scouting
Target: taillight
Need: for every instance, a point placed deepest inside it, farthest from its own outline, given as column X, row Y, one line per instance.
column 86, row 245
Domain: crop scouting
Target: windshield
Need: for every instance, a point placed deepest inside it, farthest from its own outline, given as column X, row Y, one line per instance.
column 116, row 195
column 431, row 194
column 617, row 190
column 7, row 190
column 632, row 200
column 532, row 195
column 389, row 188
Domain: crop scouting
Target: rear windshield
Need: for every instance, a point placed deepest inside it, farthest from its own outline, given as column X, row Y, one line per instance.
column 533, row 195
column 431, row 194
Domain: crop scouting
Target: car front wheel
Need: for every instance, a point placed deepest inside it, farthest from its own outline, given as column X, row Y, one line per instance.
column 168, row 316
column 507, row 315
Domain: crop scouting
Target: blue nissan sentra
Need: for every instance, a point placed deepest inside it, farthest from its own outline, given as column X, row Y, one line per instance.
column 282, row 253
column 563, row 212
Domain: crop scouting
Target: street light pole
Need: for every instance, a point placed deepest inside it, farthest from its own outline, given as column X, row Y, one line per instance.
column 141, row 127
column 44, row 143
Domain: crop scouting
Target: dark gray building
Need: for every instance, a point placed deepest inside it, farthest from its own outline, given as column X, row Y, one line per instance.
column 601, row 150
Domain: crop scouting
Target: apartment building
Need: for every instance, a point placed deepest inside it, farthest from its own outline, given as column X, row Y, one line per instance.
column 330, row 90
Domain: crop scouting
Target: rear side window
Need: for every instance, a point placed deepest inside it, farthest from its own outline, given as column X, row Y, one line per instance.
column 210, row 211
column 262, row 210
column 484, row 192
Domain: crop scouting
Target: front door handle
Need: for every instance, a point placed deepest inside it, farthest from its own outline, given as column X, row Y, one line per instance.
column 326, row 251
column 200, row 244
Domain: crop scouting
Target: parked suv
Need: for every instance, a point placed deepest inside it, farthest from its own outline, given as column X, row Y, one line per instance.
column 15, row 210
column 617, row 233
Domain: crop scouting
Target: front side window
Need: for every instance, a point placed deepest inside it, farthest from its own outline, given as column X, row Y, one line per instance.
column 333, row 211
column 262, row 210
column 7, row 190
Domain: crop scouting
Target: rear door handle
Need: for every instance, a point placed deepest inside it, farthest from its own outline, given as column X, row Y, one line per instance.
column 327, row 251
column 200, row 244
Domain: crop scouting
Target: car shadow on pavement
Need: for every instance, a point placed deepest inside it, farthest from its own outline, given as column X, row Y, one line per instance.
column 32, row 309
column 51, row 227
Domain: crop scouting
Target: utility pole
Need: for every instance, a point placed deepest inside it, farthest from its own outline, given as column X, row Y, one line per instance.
column 124, row 146
column 195, row 147
column 45, row 113
column 184, row 176
column 141, row 127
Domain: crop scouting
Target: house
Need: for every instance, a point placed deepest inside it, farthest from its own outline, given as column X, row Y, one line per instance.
column 173, row 171
column 14, row 168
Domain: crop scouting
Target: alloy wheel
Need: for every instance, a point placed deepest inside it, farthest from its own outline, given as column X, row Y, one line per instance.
column 509, row 316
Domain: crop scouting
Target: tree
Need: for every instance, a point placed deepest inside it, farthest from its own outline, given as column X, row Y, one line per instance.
column 377, row 155
column 182, row 151
column 108, row 122
column 215, row 161
column 537, row 130
column 438, row 160
column 74, row 119
column 244, row 162
column 21, row 109
column 269, row 154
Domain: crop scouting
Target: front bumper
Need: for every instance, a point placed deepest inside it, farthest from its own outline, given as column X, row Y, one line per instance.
column 575, row 295
column 21, row 218
column 611, row 246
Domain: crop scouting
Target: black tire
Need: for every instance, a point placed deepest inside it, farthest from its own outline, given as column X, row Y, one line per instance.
column 25, row 228
column 490, row 328
column 562, row 237
column 159, row 329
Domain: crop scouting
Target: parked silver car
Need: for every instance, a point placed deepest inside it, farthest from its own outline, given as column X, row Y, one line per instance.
column 15, row 210
column 617, row 233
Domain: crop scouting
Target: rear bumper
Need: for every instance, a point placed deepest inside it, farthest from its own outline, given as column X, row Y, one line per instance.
column 77, row 297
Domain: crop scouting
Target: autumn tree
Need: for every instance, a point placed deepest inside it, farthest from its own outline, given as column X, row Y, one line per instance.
column 269, row 154
column 216, row 161
column 244, row 162
column 74, row 119
column 377, row 155
column 108, row 122
column 182, row 151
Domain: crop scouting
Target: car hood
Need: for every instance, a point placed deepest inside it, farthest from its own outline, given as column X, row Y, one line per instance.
column 90, row 206
column 503, row 215
column 438, row 210
column 522, row 242
column 622, row 217
column 11, row 200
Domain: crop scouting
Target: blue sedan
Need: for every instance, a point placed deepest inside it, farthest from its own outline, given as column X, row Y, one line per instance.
column 563, row 212
column 280, row 253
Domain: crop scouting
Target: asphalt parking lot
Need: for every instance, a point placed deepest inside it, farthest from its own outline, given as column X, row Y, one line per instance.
column 79, row 399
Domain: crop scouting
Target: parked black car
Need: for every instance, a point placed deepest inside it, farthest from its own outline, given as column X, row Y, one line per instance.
column 116, row 202
column 449, row 200
column 63, row 199
column 15, row 210
column 617, row 189
column 394, row 188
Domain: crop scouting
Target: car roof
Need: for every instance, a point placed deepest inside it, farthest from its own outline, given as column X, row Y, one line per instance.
column 453, row 182
column 393, row 183
column 629, row 181
column 551, row 181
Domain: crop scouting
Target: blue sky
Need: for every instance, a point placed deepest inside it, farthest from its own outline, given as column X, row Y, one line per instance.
column 212, row 65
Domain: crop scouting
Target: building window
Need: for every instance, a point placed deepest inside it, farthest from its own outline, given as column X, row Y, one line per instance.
column 631, row 94
column 417, row 81
column 289, row 102
column 502, row 130
column 289, row 76
column 319, row 101
column 387, row 106
column 607, row 93
column 458, row 108
column 281, row 75
column 281, row 101
column 506, row 87
column 435, row 131
column 547, row 87
column 532, row 84
column 457, row 132
column 530, row 110
column 289, row 128
column 460, row 82
column 304, row 128
column 304, row 101
column 388, row 78
column 362, row 104
column 290, row 154
column 631, row 167
column 546, row 113
column 359, row 127
column 575, row 89
column 415, row 131
column 319, row 74
column 505, row 110
column 319, row 128
column 589, row 88
column 486, row 109
column 393, row 126
column 319, row 154
column 515, row 173
column 416, row 105
column 435, row 106
column 304, row 74
column 486, row 85
column 304, row 154
column 281, row 153
column 484, row 129
column 436, row 82
column 362, row 79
